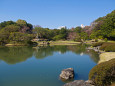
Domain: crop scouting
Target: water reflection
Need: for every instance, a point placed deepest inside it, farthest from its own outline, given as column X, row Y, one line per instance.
column 13, row 55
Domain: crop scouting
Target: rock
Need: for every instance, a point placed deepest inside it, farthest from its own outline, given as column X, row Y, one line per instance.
column 79, row 83
column 75, row 83
column 89, row 82
column 67, row 74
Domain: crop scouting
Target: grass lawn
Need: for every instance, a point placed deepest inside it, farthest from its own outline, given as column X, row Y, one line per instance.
column 63, row 43
column 106, row 56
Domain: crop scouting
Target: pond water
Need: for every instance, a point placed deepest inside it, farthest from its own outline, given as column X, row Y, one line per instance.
column 41, row 66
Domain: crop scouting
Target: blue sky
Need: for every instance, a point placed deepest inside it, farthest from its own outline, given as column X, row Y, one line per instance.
column 55, row 13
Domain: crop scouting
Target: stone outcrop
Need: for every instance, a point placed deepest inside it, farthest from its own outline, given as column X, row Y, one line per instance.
column 80, row 83
column 67, row 74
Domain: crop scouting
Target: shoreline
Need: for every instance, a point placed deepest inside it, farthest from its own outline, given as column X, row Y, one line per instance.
column 41, row 43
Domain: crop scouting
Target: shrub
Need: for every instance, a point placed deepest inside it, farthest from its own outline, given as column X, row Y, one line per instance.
column 108, row 47
column 105, row 40
column 103, row 74
column 97, row 44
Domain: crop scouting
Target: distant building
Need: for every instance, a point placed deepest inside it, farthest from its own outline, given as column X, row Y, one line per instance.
column 61, row 27
column 82, row 26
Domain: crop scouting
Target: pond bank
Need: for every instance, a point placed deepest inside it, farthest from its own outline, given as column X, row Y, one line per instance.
column 106, row 56
column 15, row 45
column 45, row 43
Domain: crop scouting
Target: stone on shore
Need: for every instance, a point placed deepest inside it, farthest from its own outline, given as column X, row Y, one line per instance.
column 80, row 83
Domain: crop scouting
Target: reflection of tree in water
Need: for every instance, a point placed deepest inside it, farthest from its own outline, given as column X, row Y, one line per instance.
column 81, row 49
column 45, row 51
column 62, row 49
column 93, row 55
column 12, row 55
column 78, row 49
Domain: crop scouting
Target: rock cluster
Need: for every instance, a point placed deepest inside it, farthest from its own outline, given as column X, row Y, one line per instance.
column 67, row 74
column 80, row 83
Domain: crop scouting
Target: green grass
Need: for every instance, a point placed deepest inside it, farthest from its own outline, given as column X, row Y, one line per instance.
column 63, row 43
column 106, row 56
column 108, row 47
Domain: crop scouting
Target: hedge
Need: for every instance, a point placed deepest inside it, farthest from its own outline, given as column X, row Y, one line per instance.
column 103, row 74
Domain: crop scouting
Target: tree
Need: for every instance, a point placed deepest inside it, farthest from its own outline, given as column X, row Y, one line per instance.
column 6, row 23
column 105, row 26
column 11, row 28
column 83, row 36
column 5, row 32
column 39, row 31
column 18, row 37
column 63, row 33
column 78, row 29
column 21, row 22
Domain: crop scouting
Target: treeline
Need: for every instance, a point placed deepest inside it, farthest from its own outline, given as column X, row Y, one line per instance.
column 23, row 32
column 104, row 27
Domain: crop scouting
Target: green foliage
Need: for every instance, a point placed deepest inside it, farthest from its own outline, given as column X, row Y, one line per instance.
column 21, row 22
column 78, row 30
column 84, row 36
column 4, row 37
column 92, row 36
column 5, row 32
column 105, row 27
column 105, row 40
column 30, row 25
column 63, row 33
column 11, row 28
column 18, row 37
column 103, row 74
column 58, row 37
column 54, row 34
column 6, row 23
column 108, row 47
column 44, row 33
column 99, row 19
column 78, row 39
column 14, row 32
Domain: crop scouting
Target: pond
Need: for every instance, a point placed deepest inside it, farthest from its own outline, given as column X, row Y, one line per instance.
column 41, row 66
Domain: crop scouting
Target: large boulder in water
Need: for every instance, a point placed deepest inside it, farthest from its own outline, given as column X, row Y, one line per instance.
column 67, row 74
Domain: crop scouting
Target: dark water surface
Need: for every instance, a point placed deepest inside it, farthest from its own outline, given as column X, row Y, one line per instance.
column 41, row 66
